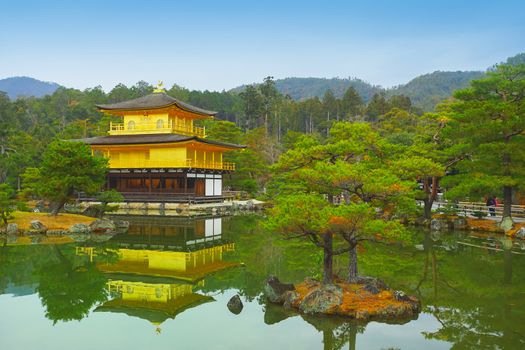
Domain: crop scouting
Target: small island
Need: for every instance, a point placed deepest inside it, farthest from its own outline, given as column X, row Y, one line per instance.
column 364, row 299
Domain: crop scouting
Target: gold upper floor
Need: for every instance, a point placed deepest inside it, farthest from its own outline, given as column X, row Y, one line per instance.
column 158, row 123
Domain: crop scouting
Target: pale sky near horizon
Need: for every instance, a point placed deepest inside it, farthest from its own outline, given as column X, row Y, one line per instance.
column 217, row 45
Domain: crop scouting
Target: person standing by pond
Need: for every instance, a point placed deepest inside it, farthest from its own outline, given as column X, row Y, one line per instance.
column 491, row 204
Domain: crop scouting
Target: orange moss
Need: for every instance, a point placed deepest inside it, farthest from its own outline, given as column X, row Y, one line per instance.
column 59, row 222
column 517, row 226
column 483, row 225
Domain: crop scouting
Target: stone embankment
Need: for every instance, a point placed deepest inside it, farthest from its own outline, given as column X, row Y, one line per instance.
column 366, row 299
column 181, row 209
column 98, row 231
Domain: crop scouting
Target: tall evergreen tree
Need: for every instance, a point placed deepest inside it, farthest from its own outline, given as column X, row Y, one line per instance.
column 376, row 107
column 487, row 121
column 351, row 104
column 252, row 106
column 330, row 108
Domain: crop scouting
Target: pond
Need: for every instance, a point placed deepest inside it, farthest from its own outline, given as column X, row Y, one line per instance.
column 166, row 283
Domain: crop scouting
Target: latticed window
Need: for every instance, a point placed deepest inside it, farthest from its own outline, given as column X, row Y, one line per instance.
column 131, row 125
column 160, row 124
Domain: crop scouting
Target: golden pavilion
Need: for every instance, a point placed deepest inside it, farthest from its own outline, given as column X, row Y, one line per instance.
column 158, row 153
column 158, row 273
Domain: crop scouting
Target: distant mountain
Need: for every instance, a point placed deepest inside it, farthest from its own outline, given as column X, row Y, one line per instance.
column 25, row 87
column 427, row 90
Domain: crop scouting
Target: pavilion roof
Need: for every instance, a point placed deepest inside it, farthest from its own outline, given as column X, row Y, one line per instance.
column 154, row 101
column 152, row 138
column 155, row 312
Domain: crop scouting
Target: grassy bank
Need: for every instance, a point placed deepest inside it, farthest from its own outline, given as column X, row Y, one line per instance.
column 59, row 222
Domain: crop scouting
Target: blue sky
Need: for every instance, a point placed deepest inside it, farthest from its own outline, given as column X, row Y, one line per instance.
column 218, row 45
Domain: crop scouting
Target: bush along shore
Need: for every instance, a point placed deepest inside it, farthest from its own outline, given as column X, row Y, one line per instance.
column 366, row 298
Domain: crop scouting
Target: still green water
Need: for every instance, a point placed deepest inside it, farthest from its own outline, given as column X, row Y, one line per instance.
column 165, row 285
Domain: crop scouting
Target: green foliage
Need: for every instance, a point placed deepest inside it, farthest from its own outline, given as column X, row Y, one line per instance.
column 355, row 164
column 479, row 214
column 105, row 197
column 377, row 106
column 7, row 202
column 110, row 196
column 487, row 122
column 67, row 168
column 351, row 104
column 450, row 209
column 30, row 183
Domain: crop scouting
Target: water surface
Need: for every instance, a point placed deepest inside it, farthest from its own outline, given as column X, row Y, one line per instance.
column 165, row 285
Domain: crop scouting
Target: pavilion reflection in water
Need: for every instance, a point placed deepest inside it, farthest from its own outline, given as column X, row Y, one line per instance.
column 159, row 266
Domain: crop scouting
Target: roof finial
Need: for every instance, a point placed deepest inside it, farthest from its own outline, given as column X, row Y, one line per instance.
column 159, row 88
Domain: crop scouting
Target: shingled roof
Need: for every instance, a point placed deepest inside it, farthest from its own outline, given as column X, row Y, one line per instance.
column 154, row 101
column 153, row 138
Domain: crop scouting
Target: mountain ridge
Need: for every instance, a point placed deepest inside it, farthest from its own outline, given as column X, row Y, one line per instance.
column 23, row 86
column 425, row 91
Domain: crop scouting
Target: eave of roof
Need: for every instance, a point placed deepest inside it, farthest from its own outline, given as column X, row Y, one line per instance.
column 154, row 101
column 152, row 138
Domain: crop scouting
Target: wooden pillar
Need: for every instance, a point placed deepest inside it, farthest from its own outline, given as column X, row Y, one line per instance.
column 186, row 183
column 149, row 184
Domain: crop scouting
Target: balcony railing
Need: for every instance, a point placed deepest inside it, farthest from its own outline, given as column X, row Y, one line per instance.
column 154, row 128
column 188, row 163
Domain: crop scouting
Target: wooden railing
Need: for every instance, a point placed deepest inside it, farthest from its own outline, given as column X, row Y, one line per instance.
column 474, row 208
column 188, row 163
column 154, row 128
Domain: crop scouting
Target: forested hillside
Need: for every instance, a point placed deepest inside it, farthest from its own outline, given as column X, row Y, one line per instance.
column 427, row 90
column 303, row 88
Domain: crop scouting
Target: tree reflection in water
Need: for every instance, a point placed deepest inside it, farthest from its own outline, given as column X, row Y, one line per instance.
column 471, row 285
column 68, row 290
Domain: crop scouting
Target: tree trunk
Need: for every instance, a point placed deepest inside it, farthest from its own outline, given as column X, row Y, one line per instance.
column 352, row 263
column 327, row 123
column 352, row 336
column 507, row 266
column 327, row 258
column 328, row 340
column 427, row 208
column 434, row 272
column 507, row 201
column 507, row 190
column 57, row 207
column 431, row 194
